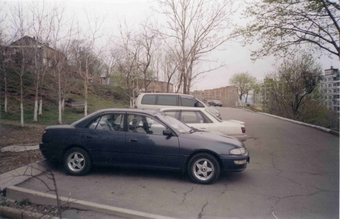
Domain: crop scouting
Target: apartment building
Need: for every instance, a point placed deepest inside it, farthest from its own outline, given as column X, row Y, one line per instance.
column 330, row 85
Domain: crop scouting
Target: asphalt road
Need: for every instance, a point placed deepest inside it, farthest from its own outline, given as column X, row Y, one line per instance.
column 293, row 173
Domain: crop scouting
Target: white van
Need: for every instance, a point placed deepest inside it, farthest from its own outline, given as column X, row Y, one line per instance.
column 161, row 100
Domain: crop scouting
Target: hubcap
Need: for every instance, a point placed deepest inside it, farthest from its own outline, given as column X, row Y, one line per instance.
column 203, row 169
column 76, row 162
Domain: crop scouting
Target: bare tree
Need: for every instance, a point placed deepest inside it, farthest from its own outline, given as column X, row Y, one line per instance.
column 197, row 27
column 61, row 42
column 170, row 69
column 5, row 59
column 94, row 33
column 128, row 65
column 149, row 44
column 21, row 50
column 84, row 53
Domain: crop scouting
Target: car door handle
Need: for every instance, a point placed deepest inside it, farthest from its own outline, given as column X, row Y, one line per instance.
column 202, row 128
column 133, row 140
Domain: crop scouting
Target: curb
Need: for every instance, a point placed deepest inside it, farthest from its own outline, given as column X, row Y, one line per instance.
column 15, row 213
column 17, row 194
column 302, row 123
column 19, row 148
column 21, row 174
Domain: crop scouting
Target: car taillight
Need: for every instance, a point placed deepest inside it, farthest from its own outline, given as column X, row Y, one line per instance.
column 135, row 107
column 243, row 129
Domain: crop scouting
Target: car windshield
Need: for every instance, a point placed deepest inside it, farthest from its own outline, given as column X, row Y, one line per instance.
column 174, row 123
column 213, row 115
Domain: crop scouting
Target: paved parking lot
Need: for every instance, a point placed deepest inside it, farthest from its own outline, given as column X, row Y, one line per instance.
column 293, row 173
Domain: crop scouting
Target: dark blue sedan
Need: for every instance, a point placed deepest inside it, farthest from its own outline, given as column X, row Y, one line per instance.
column 139, row 138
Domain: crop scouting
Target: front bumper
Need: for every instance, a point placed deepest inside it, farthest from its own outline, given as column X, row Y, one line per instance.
column 235, row 163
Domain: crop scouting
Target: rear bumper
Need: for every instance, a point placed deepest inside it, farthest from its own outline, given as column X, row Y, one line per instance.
column 49, row 154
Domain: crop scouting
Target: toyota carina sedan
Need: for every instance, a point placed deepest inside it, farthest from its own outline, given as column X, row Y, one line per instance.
column 139, row 138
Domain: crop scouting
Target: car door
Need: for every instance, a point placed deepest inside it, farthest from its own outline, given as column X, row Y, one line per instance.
column 104, row 138
column 147, row 146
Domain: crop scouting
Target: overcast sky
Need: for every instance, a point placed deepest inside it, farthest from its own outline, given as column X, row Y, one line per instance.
column 236, row 57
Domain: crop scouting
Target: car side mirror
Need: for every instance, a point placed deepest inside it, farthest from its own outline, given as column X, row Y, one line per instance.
column 167, row 132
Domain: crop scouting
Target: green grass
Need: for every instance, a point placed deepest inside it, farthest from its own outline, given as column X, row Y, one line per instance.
column 99, row 97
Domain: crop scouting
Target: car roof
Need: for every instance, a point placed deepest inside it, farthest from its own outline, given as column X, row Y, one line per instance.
column 180, row 94
column 183, row 108
column 111, row 110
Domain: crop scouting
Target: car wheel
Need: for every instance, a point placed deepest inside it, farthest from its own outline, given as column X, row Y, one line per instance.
column 203, row 168
column 77, row 162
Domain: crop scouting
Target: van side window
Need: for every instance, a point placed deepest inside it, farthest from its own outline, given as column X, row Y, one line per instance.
column 199, row 104
column 190, row 102
column 149, row 99
column 169, row 100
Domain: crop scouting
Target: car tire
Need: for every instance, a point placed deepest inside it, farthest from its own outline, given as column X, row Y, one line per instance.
column 203, row 168
column 77, row 162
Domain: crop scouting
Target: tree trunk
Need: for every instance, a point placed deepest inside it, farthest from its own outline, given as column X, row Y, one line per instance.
column 63, row 104
column 59, row 99
column 40, row 106
column 21, row 100
column 40, row 93
column 35, row 113
column 5, row 83
column 85, row 85
column 36, row 83
column 60, row 121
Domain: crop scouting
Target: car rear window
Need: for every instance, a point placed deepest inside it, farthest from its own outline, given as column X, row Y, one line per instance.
column 149, row 99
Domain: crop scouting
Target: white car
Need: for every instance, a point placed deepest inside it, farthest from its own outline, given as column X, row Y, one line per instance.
column 202, row 119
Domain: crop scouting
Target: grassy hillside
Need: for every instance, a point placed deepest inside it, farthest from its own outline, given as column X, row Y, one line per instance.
column 99, row 97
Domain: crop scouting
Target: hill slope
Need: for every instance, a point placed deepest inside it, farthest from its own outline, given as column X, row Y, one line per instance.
column 99, row 97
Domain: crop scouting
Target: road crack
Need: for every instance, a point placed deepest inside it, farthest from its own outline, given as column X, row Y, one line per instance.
column 201, row 213
column 185, row 195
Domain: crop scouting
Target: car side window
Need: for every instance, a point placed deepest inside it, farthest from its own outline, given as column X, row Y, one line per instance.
column 110, row 122
column 149, row 99
column 174, row 114
column 168, row 100
column 194, row 117
column 191, row 117
column 93, row 124
column 145, row 125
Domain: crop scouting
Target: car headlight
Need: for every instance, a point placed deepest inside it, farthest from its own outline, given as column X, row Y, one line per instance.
column 237, row 151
